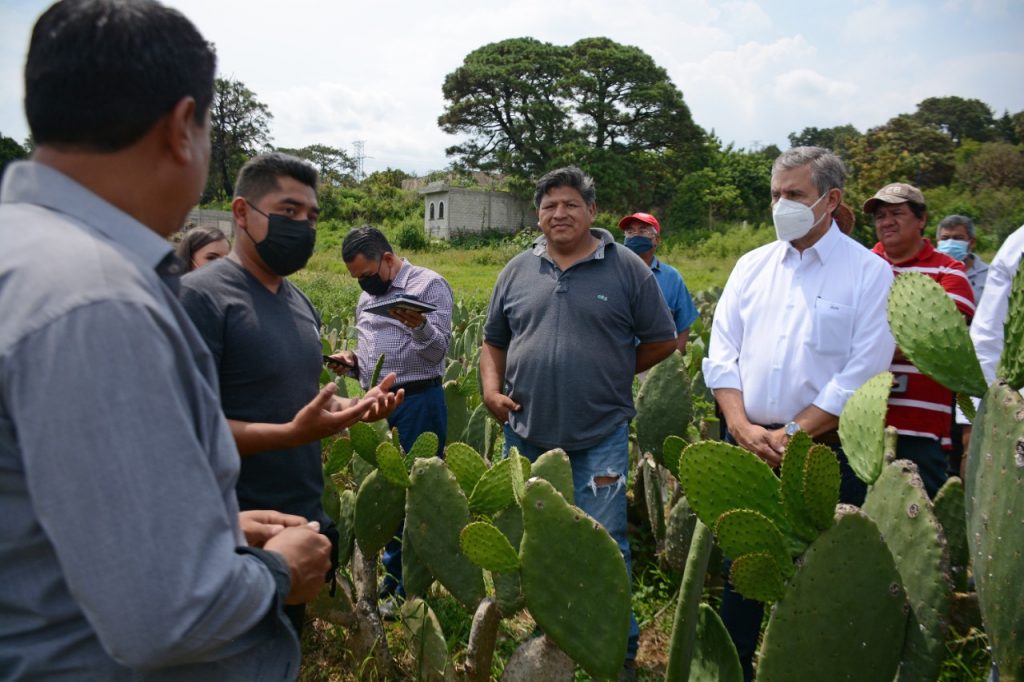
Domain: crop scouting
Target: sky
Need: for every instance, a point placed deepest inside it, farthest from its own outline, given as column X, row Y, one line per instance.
column 337, row 72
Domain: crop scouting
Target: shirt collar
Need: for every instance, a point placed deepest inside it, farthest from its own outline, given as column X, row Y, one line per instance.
column 402, row 277
column 821, row 249
column 656, row 264
column 540, row 244
column 35, row 183
column 926, row 252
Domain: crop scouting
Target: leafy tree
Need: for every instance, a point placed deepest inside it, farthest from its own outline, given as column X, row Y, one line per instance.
column 836, row 138
column 902, row 150
column 239, row 129
column 990, row 164
column 335, row 165
column 958, row 117
column 530, row 106
column 10, row 150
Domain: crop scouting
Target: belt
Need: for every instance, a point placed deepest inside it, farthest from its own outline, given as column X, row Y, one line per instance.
column 417, row 386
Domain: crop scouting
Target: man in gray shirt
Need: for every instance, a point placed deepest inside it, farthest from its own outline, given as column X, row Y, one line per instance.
column 121, row 552
column 560, row 349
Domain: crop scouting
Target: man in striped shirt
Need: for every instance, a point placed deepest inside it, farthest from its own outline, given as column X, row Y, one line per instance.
column 919, row 407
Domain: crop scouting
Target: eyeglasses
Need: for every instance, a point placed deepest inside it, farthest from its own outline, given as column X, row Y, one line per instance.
column 642, row 231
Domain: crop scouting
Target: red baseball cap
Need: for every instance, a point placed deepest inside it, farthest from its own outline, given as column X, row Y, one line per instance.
column 642, row 217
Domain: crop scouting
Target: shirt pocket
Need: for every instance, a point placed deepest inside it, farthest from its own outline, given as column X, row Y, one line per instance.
column 833, row 327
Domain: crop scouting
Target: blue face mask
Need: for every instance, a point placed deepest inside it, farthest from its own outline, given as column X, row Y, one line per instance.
column 954, row 248
column 639, row 245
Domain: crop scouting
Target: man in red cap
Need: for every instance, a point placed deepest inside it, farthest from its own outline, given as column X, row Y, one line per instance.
column 643, row 234
column 919, row 408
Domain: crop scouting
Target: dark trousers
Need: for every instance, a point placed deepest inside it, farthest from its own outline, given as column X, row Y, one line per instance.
column 742, row 617
column 420, row 412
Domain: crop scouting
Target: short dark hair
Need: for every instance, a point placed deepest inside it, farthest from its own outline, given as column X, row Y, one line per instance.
column 569, row 176
column 195, row 239
column 366, row 241
column 259, row 175
column 100, row 73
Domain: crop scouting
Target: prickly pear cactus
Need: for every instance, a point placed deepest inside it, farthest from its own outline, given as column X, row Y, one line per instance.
column 862, row 427
column 436, row 512
column 743, row 531
column 493, row 492
column 757, row 575
column 995, row 522
column 671, row 450
column 467, row 465
column 714, row 656
column 932, row 333
column 792, row 483
column 653, row 499
column 718, row 478
column 416, row 577
column 391, row 465
column 424, row 447
column 365, row 441
column 678, row 534
column 844, row 609
column 555, row 468
column 899, row 505
column 488, row 548
column 508, row 588
column 346, row 525
column 425, row 640
column 379, row 508
column 339, row 457
column 663, row 406
column 1011, row 364
column 820, row 486
column 951, row 513
column 586, row 612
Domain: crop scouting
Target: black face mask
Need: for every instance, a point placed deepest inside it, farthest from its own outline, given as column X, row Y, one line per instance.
column 288, row 245
column 373, row 284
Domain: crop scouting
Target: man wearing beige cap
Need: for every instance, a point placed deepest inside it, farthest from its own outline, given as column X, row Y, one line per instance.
column 919, row 408
column 643, row 235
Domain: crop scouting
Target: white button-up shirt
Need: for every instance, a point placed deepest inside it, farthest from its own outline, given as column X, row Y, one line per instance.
column 796, row 329
column 987, row 327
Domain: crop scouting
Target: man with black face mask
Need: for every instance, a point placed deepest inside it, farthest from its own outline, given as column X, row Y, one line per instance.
column 643, row 235
column 414, row 346
column 265, row 338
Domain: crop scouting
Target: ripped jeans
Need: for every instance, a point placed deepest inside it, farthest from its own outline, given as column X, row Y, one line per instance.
column 606, row 503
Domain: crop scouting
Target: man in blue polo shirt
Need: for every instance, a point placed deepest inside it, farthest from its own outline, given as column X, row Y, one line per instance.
column 643, row 235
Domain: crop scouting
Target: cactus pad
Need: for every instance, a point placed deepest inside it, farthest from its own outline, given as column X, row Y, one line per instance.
column 586, row 612
column 508, row 588
column 844, row 606
column 436, row 512
column 932, row 333
column 671, row 449
column 555, row 468
column 379, row 508
column 742, row 531
column 714, row 656
column 821, row 486
column 424, row 447
column 1011, row 364
column 518, row 477
column 900, row 507
column 416, row 577
column 467, row 465
column 339, row 457
column 862, row 426
column 493, row 492
column 678, row 534
column 365, row 441
column 391, row 465
column 346, row 525
column 757, row 576
column 425, row 640
column 950, row 511
column 663, row 405
column 791, row 477
column 717, row 478
column 995, row 522
column 488, row 548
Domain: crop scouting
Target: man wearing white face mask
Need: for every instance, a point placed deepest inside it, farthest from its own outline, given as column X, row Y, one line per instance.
column 955, row 237
column 800, row 326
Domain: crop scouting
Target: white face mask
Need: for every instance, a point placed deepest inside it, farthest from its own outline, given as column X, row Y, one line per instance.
column 794, row 220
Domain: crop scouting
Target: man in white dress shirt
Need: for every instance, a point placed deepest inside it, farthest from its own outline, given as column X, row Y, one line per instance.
column 800, row 326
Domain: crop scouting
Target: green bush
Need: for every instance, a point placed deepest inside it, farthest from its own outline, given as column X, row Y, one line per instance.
column 410, row 235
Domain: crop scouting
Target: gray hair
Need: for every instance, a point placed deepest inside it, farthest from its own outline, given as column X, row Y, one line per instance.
column 827, row 169
column 951, row 221
column 569, row 176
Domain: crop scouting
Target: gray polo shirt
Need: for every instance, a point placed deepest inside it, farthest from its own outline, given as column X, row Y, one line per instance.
column 571, row 338
column 119, row 547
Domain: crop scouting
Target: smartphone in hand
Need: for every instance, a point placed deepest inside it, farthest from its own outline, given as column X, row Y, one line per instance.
column 336, row 362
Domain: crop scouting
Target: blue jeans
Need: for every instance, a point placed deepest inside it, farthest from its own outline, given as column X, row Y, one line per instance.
column 606, row 503
column 418, row 413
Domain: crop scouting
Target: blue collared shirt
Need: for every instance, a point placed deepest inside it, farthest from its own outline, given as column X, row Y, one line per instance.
column 677, row 296
column 120, row 546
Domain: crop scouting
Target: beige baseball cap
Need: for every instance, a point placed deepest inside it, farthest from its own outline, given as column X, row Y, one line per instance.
column 894, row 193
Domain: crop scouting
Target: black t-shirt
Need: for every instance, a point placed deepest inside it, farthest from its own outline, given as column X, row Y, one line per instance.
column 268, row 354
